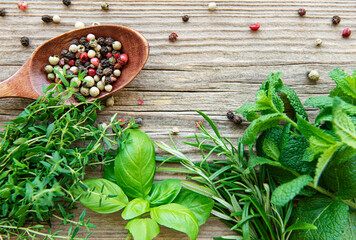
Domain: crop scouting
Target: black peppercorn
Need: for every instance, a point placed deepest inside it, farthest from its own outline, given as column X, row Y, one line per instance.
column 101, row 41
column 336, row 20
column 82, row 40
column 67, row 2
column 103, row 50
column 87, row 46
column 99, row 72
column 75, row 41
column 86, row 64
column 69, row 72
column 107, row 72
column 82, row 68
column 2, row 12
column 301, row 12
column 25, row 41
column 66, row 60
column 47, row 18
column 69, row 55
column 109, row 41
column 230, row 115
column 185, row 18
column 78, row 63
column 107, row 79
column 237, row 119
column 64, row 52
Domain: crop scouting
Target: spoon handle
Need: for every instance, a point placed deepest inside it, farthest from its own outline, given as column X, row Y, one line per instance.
column 18, row 85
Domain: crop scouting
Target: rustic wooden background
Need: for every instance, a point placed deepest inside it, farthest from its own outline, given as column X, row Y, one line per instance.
column 216, row 65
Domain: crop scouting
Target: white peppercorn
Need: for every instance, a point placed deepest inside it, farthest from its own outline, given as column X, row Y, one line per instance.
column 57, row 67
column 100, row 85
column 318, row 42
column 110, row 101
column 73, row 48
column 56, row 19
column 90, row 81
column 313, row 75
column 212, row 6
column 53, row 60
column 95, row 23
column 96, row 78
column 48, row 69
column 84, row 91
column 91, row 53
column 104, row 5
column 116, row 45
column 67, row 67
column 75, row 79
column 51, row 76
column 108, row 88
column 90, row 36
column 75, row 89
column 81, row 48
column 97, row 48
column 74, row 70
column 79, row 25
column 94, row 91
column 175, row 130
column 117, row 73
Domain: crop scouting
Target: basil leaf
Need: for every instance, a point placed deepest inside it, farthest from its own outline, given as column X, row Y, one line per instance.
column 102, row 196
column 164, row 192
column 143, row 228
column 200, row 205
column 328, row 215
column 135, row 164
column 177, row 217
column 135, row 208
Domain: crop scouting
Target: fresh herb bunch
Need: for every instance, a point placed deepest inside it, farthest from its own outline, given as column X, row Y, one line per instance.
column 44, row 152
column 128, row 185
column 242, row 195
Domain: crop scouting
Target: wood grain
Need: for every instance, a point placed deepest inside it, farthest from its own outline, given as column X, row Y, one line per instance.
column 216, row 65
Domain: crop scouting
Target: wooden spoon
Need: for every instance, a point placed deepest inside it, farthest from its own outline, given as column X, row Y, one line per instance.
column 27, row 82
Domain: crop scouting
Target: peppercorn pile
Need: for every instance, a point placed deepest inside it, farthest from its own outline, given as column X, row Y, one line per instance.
column 94, row 64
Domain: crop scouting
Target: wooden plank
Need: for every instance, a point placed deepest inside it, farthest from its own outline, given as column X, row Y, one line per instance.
column 216, row 65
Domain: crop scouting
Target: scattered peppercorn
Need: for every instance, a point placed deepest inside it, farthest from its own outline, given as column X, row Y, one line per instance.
column 175, row 130
column 255, row 27
column 173, row 37
column 185, row 18
column 104, row 5
column 110, row 101
column 313, row 75
column 79, row 25
column 25, row 41
column 56, row 19
column 67, row 2
column 318, row 42
column 302, row 12
column 335, row 20
column 346, row 33
column 139, row 121
column 22, row 5
column 237, row 120
column 2, row 12
column 47, row 18
column 212, row 6
column 230, row 115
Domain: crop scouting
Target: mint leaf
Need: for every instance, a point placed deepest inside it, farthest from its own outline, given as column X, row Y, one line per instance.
column 287, row 191
column 274, row 134
column 344, row 128
column 328, row 215
column 323, row 162
column 254, row 161
column 260, row 124
column 294, row 101
column 350, row 229
column 300, row 226
column 346, row 179
column 319, row 102
column 143, row 228
column 271, row 149
column 345, row 82
column 251, row 107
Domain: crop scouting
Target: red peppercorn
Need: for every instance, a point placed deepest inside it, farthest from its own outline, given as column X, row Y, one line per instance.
column 122, row 122
column 84, row 57
column 91, row 72
column 173, row 37
column 255, row 27
column 94, row 61
column 108, row 55
column 346, row 33
column 302, row 12
column 140, row 102
column 57, row 80
column 22, row 5
column 71, row 62
column 123, row 58
column 61, row 63
column 117, row 66
column 116, row 55
column 199, row 124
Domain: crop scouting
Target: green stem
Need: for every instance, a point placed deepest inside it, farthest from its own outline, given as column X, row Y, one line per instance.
column 28, row 230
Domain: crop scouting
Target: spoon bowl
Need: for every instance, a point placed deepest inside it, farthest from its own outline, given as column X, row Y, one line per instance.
column 28, row 81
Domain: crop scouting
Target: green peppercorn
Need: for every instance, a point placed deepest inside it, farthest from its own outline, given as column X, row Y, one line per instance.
column 84, row 91
column 93, row 43
column 25, row 41
column 104, row 5
column 108, row 88
column 47, row 18
column 94, row 91
column 2, row 12
column 48, row 69
column 51, row 76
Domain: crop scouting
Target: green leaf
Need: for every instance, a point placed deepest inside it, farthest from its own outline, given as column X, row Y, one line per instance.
column 109, row 173
column 260, row 124
column 274, row 134
column 135, row 164
column 294, row 101
column 143, row 228
column 247, row 108
column 350, row 229
column 20, row 141
column 135, row 208
column 211, row 123
column 344, row 128
column 323, row 162
column 177, row 217
column 98, row 199
column 300, row 226
column 50, row 129
column 319, row 102
column 164, row 192
column 254, row 161
column 200, row 205
column 328, row 215
column 271, row 149
column 345, row 82
column 287, row 191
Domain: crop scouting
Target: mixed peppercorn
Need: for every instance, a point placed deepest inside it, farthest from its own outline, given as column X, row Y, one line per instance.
column 94, row 64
